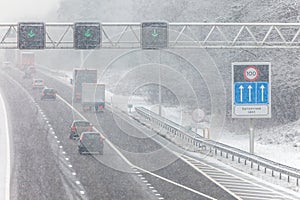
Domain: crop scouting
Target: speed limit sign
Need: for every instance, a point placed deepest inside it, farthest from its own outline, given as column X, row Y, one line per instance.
column 251, row 73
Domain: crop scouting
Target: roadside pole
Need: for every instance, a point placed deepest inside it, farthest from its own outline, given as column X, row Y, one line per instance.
column 251, row 93
column 251, row 145
column 159, row 85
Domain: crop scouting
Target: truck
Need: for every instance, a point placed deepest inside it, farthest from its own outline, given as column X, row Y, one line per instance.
column 93, row 97
column 27, row 62
column 82, row 75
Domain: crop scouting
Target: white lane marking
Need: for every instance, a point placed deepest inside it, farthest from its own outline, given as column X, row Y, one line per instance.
column 204, row 174
column 235, row 176
column 132, row 165
column 6, row 130
column 177, row 184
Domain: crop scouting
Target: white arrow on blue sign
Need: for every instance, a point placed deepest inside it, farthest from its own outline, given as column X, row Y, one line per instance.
column 251, row 93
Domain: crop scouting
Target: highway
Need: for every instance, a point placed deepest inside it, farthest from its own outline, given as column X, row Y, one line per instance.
column 137, row 164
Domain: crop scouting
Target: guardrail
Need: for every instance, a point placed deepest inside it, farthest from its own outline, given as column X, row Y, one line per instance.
column 219, row 148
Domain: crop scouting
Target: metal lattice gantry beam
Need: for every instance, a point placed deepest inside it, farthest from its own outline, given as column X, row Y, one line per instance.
column 181, row 35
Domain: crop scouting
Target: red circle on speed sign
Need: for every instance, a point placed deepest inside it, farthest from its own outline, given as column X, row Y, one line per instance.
column 251, row 73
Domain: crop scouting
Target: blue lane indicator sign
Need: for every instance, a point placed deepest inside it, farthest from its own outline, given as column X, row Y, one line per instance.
column 251, row 93
column 251, row 90
column 263, row 92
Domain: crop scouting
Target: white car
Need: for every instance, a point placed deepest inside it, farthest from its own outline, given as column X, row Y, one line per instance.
column 38, row 83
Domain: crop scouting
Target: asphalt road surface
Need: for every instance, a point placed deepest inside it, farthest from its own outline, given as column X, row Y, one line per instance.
column 47, row 165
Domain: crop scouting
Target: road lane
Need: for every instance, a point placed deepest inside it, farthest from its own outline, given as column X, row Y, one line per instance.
column 4, row 152
column 104, row 182
column 135, row 147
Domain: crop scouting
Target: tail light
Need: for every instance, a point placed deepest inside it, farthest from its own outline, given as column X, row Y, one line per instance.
column 100, row 107
column 73, row 128
column 81, row 137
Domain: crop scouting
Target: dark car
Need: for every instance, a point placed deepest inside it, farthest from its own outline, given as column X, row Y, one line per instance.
column 79, row 126
column 91, row 143
column 48, row 93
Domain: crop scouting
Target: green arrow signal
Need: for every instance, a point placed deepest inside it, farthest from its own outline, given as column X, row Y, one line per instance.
column 31, row 34
column 154, row 34
column 87, row 33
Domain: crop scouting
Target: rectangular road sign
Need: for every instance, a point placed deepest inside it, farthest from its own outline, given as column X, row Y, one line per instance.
column 87, row 35
column 251, row 90
column 31, row 35
column 154, row 35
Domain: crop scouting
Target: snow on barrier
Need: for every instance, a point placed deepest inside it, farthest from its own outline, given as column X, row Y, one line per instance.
column 217, row 148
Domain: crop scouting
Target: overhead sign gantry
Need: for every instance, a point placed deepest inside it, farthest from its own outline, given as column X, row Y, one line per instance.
column 157, row 34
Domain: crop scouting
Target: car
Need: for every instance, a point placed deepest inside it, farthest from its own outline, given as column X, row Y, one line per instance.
column 78, row 127
column 91, row 143
column 38, row 84
column 27, row 75
column 48, row 93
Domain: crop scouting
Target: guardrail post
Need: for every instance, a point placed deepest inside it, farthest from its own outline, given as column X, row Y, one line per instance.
column 265, row 170
column 288, row 178
column 297, row 182
column 272, row 172
column 239, row 160
column 232, row 158
column 227, row 155
column 245, row 162
column 280, row 175
column 258, row 168
column 251, row 164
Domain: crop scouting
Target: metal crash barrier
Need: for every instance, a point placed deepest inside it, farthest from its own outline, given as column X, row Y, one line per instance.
column 217, row 148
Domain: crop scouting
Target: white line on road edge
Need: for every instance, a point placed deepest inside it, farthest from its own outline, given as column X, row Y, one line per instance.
column 132, row 165
column 233, row 175
column 7, row 181
column 177, row 184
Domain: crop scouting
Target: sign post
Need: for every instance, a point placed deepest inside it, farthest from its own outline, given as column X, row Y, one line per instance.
column 251, row 92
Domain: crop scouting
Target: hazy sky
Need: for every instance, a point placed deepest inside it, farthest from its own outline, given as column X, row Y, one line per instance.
column 26, row 10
